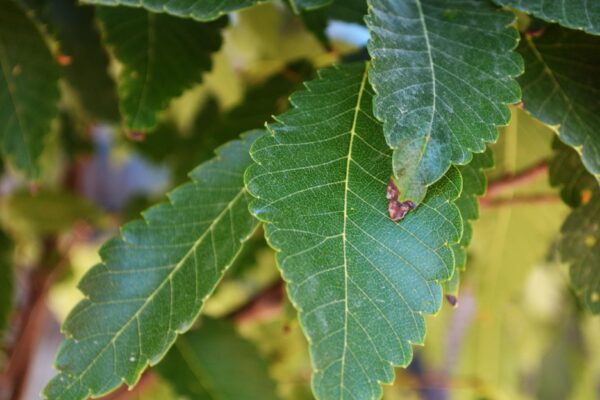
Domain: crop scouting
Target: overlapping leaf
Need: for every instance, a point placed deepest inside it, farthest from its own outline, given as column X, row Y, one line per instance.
column 578, row 14
column 215, row 363
column 161, row 56
column 474, row 185
column 201, row 10
column 561, row 87
column 28, row 88
column 361, row 282
column 154, row 278
column 443, row 73
column 580, row 242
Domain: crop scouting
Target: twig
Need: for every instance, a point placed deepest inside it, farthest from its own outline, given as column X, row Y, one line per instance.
column 265, row 304
column 511, row 181
column 520, row 200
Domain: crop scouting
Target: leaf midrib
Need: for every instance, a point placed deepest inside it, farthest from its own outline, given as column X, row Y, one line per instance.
column 433, row 83
column 159, row 288
column 346, row 190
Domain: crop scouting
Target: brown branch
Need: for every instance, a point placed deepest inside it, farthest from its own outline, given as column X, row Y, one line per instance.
column 519, row 179
column 27, row 327
column 265, row 304
column 520, row 200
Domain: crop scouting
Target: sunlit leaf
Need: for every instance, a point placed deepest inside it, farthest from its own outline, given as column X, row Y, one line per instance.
column 360, row 281
column 154, row 279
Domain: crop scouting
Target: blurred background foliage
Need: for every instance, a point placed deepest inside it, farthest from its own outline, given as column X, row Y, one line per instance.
column 518, row 332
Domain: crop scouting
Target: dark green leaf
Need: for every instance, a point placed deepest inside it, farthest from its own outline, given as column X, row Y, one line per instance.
column 578, row 14
column 161, row 56
column 201, row 10
column 214, row 362
column 154, row 279
column 580, row 242
column 443, row 73
column 360, row 281
column 213, row 128
column 580, row 247
column 567, row 172
column 561, row 87
column 28, row 89
column 86, row 61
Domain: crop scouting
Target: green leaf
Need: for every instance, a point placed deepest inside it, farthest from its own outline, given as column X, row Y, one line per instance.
column 201, row 10
column 161, row 56
column 443, row 73
column 7, row 282
column 214, row 362
column 580, row 247
column 474, row 186
column 213, row 128
column 360, row 281
column 580, row 242
column 154, row 279
column 28, row 89
column 87, row 68
column 561, row 87
column 578, row 14
column 349, row 11
column 567, row 172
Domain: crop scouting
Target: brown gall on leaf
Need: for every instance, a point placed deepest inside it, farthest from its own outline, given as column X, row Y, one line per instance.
column 396, row 209
column 453, row 300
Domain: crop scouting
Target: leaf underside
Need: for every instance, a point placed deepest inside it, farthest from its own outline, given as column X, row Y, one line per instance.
column 443, row 73
column 161, row 56
column 577, row 14
column 561, row 87
column 474, row 186
column 360, row 282
column 201, row 10
column 214, row 362
column 28, row 89
column 154, row 278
